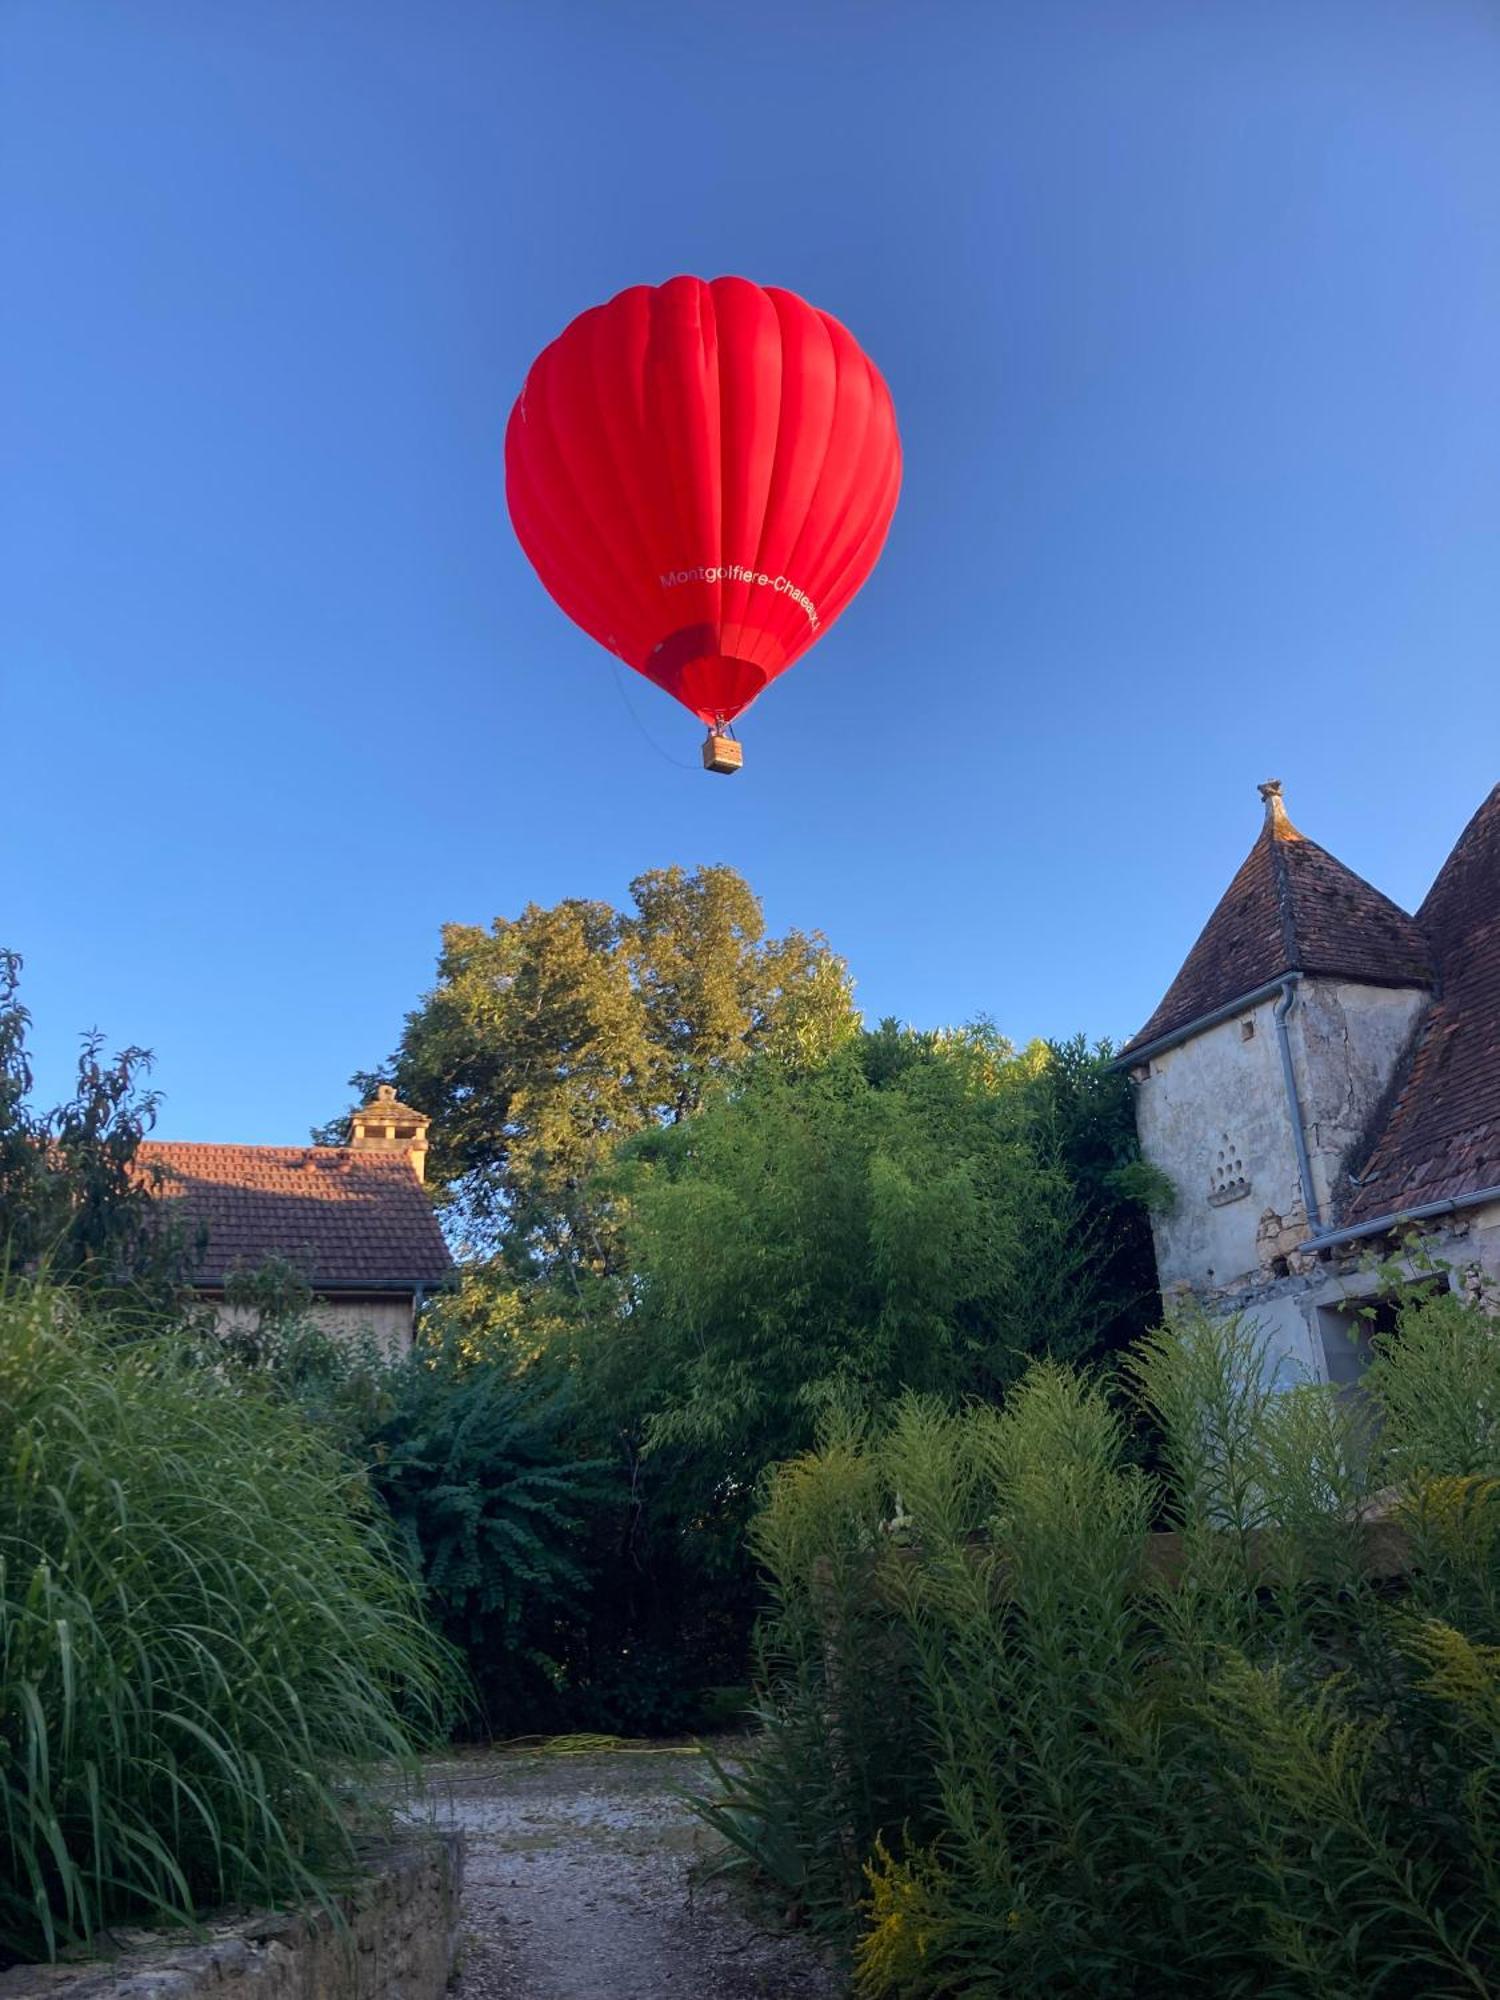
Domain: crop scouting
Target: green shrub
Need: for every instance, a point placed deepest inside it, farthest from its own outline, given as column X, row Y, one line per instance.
column 204, row 1635
column 493, row 1504
column 922, row 1213
column 837, row 1751
column 343, row 1382
column 1087, row 1730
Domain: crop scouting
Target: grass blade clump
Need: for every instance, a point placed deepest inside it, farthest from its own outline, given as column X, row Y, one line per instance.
column 204, row 1636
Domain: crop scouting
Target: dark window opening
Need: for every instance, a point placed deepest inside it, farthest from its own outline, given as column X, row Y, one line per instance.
column 1347, row 1330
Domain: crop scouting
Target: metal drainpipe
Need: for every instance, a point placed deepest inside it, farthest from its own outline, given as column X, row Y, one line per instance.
column 1284, row 1007
column 1425, row 1212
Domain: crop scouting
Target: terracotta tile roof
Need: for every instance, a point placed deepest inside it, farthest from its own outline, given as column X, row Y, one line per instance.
column 1291, row 908
column 344, row 1217
column 1442, row 1137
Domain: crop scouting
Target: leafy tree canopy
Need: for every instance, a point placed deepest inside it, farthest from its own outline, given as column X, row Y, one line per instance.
column 698, row 1195
column 72, row 1194
column 923, row 1212
column 551, row 1036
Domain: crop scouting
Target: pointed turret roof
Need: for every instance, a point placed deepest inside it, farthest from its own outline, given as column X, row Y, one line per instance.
column 1442, row 1138
column 1466, row 893
column 1291, row 908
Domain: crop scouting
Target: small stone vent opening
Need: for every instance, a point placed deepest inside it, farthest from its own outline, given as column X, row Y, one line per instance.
column 1227, row 1179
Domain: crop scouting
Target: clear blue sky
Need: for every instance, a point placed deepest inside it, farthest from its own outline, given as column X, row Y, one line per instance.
column 1191, row 314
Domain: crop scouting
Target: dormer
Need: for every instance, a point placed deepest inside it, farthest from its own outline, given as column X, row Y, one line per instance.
column 1259, row 1073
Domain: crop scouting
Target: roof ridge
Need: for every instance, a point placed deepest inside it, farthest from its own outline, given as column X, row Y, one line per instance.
column 257, row 1146
column 1467, row 858
column 1276, row 840
column 247, row 1145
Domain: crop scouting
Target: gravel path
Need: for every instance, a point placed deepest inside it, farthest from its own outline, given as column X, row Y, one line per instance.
column 584, row 1882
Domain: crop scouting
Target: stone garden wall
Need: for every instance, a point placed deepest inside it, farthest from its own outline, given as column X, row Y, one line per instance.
column 396, row 1941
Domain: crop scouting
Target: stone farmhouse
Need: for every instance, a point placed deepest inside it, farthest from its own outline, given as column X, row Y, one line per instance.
column 355, row 1220
column 1322, row 1078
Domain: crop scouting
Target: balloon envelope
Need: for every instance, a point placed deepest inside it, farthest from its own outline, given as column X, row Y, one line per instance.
column 702, row 475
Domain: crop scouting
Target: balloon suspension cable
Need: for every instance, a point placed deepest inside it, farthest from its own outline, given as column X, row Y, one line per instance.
column 645, row 734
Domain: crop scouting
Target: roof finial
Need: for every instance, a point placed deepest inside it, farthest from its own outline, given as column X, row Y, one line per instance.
column 1270, row 791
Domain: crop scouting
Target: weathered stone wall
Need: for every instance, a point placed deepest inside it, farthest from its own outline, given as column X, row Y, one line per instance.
column 1292, row 1314
column 1348, row 1042
column 1212, row 1116
column 396, row 1941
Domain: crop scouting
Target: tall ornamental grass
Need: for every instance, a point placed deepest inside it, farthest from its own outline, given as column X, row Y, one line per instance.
column 204, row 1636
column 1039, row 1720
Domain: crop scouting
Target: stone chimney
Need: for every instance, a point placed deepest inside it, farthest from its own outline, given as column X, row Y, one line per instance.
column 386, row 1125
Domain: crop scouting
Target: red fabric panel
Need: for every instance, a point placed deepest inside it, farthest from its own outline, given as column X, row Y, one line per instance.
column 703, row 475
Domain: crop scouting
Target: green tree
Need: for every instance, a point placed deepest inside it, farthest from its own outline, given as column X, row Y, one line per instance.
column 693, row 1186
column 924, row 1212
column 551, row 1036
column 477, row 1463
column 73, row 1193
column 715, row 989
column 1085, row 1114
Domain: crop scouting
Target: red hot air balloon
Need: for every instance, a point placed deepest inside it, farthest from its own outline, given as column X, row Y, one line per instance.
column 702, row 475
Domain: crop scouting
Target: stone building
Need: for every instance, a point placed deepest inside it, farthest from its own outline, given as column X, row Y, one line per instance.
column 1322, row 1077
column 355, row 1220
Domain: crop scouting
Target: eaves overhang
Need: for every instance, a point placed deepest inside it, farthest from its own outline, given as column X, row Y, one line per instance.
column 1132, row 1054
